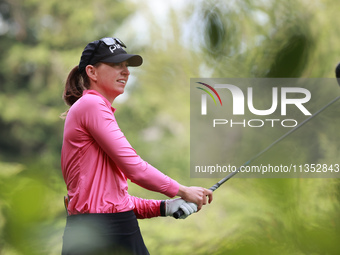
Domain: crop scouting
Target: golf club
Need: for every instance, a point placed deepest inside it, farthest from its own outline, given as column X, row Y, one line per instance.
column 179, row 212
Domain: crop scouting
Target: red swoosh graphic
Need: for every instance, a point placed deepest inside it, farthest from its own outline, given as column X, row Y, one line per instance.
column 218, row 96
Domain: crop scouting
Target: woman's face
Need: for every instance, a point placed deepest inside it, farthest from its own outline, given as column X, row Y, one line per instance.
column 110, row 79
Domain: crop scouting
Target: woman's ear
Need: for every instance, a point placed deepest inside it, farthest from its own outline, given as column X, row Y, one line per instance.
column 91, row 72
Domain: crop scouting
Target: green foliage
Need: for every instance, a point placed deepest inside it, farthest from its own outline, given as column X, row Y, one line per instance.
column 40, row 41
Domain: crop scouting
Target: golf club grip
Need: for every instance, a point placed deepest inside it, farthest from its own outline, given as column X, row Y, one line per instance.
column 180, row 212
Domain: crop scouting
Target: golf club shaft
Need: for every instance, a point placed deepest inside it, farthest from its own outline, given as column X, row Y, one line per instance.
column 179, row 212
column 214, row 187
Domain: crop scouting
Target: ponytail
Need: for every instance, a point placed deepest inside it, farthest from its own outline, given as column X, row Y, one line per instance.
column 75, row 84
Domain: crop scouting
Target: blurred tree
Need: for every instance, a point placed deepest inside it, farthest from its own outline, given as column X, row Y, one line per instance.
column 267, row 39
column 42, row 42
column 274, row 39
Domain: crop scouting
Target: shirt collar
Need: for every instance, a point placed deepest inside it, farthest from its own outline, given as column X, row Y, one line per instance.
column 95, row 92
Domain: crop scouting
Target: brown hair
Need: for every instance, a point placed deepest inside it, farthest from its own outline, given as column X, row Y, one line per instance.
column 75, row 84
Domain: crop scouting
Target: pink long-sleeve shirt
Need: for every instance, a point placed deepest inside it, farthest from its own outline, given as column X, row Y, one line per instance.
column 97, row 160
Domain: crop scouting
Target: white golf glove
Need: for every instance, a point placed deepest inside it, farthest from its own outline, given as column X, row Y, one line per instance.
column 172, row 205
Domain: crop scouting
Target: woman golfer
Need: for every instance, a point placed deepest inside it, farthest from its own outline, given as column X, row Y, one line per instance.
column 97, row 160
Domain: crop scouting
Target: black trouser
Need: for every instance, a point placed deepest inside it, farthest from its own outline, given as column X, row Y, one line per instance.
column 103, row 233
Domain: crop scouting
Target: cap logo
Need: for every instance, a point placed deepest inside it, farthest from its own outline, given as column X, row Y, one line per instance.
column 112, row 48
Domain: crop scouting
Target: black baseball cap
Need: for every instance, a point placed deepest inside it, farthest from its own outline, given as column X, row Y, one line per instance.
column 107, row 50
